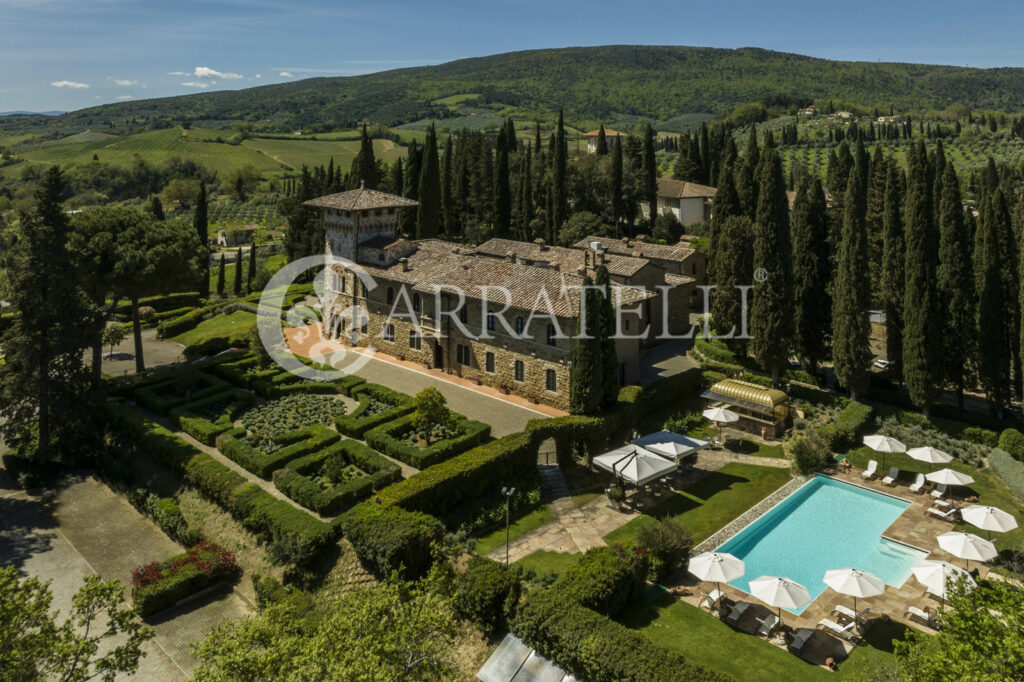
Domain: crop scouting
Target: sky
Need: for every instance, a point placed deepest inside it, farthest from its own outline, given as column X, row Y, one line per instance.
column 71, row 54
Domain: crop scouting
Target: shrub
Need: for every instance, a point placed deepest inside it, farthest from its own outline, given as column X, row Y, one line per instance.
column 370, row 414
column 1012, row 441
column 206, row 419
column 595, row 648
column 167, row 514
column 308, row 480
column 487, row 594
column 387, row 438
column 296, row 444
column 164, row 395
column 981, row 436
column 215, row 345
column 388, row 539
column 850, row 424
column 605, row 579
column 668, row 546
column 810, row 453
column 1009, row 470
column 188, row 321
column 157, row 586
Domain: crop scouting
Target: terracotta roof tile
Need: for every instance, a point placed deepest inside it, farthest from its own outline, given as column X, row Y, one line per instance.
column 680, row 189
column 568, row 259
column 676, row 252
column 360, row 200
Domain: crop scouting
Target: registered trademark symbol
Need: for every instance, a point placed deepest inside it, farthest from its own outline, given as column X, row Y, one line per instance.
column 760, row 275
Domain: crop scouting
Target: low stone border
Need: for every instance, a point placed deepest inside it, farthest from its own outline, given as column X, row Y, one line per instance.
column 751, row 515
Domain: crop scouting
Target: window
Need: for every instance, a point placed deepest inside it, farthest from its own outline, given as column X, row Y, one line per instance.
column 462, row 354
column 551, row 335
column 343, row 283
column 520, row 326
column 551, row 380
column 489, row 362
column 389, row 332
column 416, row 302
column 627, row 324
column 415, row 341
column 520, row 371
column 491, row 322
column 391, row 295
column 464, row 314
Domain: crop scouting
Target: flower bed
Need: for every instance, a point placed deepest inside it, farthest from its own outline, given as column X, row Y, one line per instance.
column 377, row 405
column 160, row 585
column 263, row 457
column 206, row 419
column 277, row 418
column 332, row 479
column 163, row 396
column 401, row 440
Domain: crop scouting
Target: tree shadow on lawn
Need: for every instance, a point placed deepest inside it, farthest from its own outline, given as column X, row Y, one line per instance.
column 703, row 490
column 26, row 529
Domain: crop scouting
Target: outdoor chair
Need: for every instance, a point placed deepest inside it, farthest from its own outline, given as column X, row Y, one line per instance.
column 736, row 612
column 890, row 480
column 800, row 638
column 946, row 515
column 710, row 599
column 849, row 613
column 923, row 616
column 871, row 471
column 940, row 491
column 768, row 625
column 918, row 484
column 847, row 632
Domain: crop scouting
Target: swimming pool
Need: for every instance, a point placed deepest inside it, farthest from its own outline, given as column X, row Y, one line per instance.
column 825, row 524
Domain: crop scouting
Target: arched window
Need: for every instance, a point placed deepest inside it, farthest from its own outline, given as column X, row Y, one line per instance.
column 551, row 335
column 464, row 314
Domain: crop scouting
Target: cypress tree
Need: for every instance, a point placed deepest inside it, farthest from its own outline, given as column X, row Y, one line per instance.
column 812, row 274
column 237, row 284
column 618, row 200
column 220, row 277
column 771, row 320
column 199, row 222
column 502, row 187
column 734, row 266
column 955, row 283
column 609, row 370
column 922, row 347
column 364, row 166
column 526, row 211
column 449, row 215
column 705, row 154
column 851, row 330
column 413, row 162
column 893, row 262
column 727, row 204
column 994, row 357
column 428, row 214
column 585, row 382
column 559, row 198
column 649, row 175
column 156, row 208
column 252, row 266
column 875, row 217
column 602, row 143
column 397, row 178
column 745, row 176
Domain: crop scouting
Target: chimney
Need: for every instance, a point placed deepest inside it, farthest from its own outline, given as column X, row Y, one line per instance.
column 362, row 184
column 556, row 267
column 405, row 264
column 540, row 244
column 600, row 257
column 511, row 257
column 637, row 254
column 627, row 242
column 641, row 237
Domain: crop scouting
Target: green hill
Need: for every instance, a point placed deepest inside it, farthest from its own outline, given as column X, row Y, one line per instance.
column 591, row 83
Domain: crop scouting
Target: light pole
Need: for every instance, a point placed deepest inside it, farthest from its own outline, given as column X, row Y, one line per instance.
column 508, row 493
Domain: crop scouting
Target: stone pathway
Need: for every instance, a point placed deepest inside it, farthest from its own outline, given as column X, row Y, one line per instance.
column 720, row 457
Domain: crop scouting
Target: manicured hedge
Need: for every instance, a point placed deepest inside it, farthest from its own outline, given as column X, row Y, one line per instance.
column 160, row 585
column 849, row 426
column 162, row 303
column 203, row 429
column 215, row 345
column 595, row 648
column 605, row 579
column 166, row 513
column 1008, row 469
column 386, row 439
column 487, row 594
column 188, row 321
column 388, row 539
column 355, row 424
column 1012, row 441
column 296, row 479
column 298, row 443
column 148, row 395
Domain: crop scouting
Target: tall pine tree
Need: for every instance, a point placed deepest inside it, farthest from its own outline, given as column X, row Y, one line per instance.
column 502, row 186
column 364, row 166
column 734, row 267
column 994, row 356
column 586, row 384
column 428, row 214
column 955, row 283
column 893, row 268
column 618, row 198
column 559, row 171
column 812, row 274
column 609, row 371
column 237, row 284
column 649, row 176
column 199, row 221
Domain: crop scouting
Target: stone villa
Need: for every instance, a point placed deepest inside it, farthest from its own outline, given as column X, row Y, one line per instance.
column 690, row 202
column 521, row 300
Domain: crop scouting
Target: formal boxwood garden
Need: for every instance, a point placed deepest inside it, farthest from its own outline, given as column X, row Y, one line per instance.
column 332, row 479
column 206, row 419
column 388, row 539
column 377, row 405
column 178, row 390
column 402, row 440
column 274, row 381
column 160, row 585
column 265, row 455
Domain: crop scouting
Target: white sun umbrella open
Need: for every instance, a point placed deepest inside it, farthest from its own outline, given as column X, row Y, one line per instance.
column 988, row 518
column 670, row 444
column 935, row 575
column 884, row 444
column 634, row 464
column 719, row 567
column 854, row 583
column 720, row 415
column 782, row 593
column 967, row 546
column 949, row 477
column 930, row 455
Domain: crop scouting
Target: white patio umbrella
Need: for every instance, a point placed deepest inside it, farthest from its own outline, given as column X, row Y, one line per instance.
column 884, row 444
column 935, row 575
column 720, row 415
column 779, row 592
column 670, row 444
column 949, row 477
column 930, row 455
column 988, row 518
column 854, row 583
column 967, row 546
column 634, row 464
column 717, row 566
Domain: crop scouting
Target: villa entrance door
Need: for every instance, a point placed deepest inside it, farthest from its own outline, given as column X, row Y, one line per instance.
column 438, row 355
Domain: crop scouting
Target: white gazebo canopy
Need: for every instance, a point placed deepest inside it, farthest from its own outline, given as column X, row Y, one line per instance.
column 634, row 464
column 670, row 444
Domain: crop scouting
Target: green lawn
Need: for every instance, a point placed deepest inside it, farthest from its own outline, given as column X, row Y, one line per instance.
column 519, row 527
column 542, row 562
column 712, row 502
column 987, row 486
column 237, row 322
column 708, row 641
column 751, row 447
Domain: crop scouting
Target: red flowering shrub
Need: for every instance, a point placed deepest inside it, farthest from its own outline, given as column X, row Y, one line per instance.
column 157, row 586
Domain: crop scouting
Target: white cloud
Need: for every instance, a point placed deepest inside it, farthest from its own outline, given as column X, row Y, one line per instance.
column 194, row 84
column 69, row 84
column 285, row 74
column 125, row 98
column 123, row 82
column 207, row 72
column 258, row 76
column 176, row 73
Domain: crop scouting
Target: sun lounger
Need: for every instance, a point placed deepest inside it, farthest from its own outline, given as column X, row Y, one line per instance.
column 894, row 473
column 710, row 599
column 847, row 632
column 801, row 637
column 920, row 615
column 736, row 612
column 918, row 484
column 768, row 625
column 944, row 514
column 940, row 491
column 848, row 612
column 871, row 471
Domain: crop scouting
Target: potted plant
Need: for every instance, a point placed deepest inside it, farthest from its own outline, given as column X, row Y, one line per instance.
column 532, row 398
column 504, row 389
column 400, row 355
column 616, row 496
column 475, row 380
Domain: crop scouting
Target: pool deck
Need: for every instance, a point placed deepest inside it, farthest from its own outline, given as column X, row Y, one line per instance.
column 914, row 527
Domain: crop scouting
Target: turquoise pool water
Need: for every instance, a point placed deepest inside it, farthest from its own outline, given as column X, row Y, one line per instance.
column 826, row 524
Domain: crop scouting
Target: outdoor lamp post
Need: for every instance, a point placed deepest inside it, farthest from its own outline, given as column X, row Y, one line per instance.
column 508, row 493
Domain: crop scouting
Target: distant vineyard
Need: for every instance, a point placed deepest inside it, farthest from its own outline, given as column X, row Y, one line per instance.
column 264, row 213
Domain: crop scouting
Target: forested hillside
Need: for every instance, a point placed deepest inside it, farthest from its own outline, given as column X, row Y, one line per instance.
column 590, row 83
